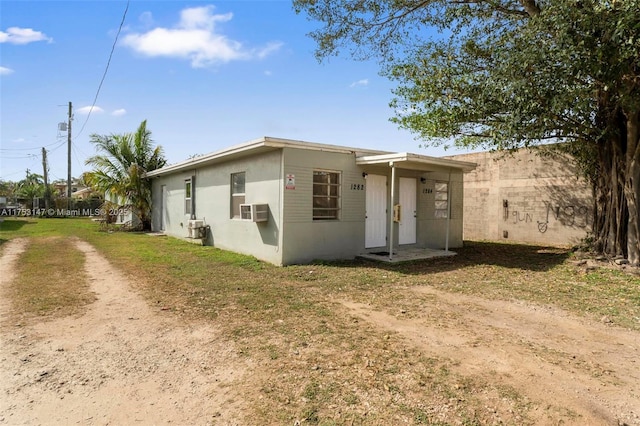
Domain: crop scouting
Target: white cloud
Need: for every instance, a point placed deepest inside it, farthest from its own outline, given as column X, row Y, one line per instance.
column 363, row 82
column 85, row 110
column 196, row 38
column 271, row 47
column 5, row 71
column 16, row 35
column 119, row 112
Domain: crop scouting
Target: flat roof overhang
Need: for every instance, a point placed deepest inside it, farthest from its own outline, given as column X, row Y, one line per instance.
column 423, row 163
column 256, row 146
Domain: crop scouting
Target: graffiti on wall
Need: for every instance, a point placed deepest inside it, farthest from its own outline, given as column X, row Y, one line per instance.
column 519, row 216
column 567, row 214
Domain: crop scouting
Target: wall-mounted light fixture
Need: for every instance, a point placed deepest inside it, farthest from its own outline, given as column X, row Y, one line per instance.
column 423, row 179
column 365, row 174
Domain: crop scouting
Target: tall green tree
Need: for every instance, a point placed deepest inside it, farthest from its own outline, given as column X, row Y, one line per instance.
column 505, row 74
column 7, row 188
column 32, row 186
column 119, row 169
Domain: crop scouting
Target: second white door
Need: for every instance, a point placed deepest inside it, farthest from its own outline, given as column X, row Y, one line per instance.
column 375, row 234
column 407, row 197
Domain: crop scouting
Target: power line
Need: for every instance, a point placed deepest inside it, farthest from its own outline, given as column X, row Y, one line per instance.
column 104, row 75
column 30, row 166
column 60, row 145
column 17, row 157
column 29, row 149
column 76, row 151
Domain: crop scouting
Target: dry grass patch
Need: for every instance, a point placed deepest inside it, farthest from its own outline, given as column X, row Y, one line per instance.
column 50, row 280
column 317, row 363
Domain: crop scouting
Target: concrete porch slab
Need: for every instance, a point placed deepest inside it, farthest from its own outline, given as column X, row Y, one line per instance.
column 406, row 254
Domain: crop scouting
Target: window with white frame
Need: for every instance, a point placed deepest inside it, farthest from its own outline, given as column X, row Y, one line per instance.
column 442, row 200
column 237, row 193
column 326, row 195
column 187, row 196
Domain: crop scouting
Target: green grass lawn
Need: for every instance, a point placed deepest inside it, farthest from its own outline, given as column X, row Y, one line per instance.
column 255, row 302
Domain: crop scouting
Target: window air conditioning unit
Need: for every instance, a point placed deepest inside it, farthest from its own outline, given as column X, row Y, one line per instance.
column 194, row 227
column 254, row 212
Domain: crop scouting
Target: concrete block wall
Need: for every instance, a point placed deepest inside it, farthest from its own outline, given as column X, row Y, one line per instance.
column 527, row 198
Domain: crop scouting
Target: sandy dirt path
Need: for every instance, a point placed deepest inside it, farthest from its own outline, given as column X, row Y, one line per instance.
column 119, row 363
column 125, row 361
column 583, row 372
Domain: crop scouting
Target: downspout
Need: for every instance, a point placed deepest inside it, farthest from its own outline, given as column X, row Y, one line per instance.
column 193, row 195
column 390, row 213
column 446, row 239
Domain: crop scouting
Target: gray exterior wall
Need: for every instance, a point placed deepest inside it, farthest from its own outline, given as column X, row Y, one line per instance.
column 213, row 204
column 291, row 235
column 525, row 198
column 432, row 231
column 306, row 239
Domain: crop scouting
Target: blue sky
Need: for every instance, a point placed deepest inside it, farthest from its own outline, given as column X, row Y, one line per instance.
column 205, row 75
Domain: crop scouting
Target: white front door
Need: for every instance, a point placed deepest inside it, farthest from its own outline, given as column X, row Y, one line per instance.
column 408, row 195
column 375, row 233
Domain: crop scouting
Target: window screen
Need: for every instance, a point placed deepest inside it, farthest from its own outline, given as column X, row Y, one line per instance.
column 237, row 193
column 326, row 195
column 187, row 196
column 442, row 200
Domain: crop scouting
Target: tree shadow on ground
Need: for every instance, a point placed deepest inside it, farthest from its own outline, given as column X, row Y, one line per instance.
column 9, row 225
column 515, row 256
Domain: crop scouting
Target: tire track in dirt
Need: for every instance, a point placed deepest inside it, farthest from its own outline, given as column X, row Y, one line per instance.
column 9, row 257
column 119, row 363
column 576, row 371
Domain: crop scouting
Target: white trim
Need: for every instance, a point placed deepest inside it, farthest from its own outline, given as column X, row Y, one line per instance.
column 416, row 161
column 261, row 144
column 363, row 156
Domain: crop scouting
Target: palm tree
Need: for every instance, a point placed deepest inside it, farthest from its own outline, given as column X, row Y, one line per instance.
column 31, row 187
column 120, row 169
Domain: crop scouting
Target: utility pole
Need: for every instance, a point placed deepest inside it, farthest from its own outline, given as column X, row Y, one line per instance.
column 69, row 158
column 47, row 194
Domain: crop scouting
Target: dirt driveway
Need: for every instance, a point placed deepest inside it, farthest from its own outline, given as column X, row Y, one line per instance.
column 120, row 363
column 124, row 362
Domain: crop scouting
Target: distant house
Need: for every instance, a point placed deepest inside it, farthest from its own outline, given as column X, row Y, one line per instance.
column 85, row 194
column 121, row 211
column 287, row 202
column 60, row 188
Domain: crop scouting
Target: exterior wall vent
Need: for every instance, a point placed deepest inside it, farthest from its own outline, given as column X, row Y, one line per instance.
column 254, row 212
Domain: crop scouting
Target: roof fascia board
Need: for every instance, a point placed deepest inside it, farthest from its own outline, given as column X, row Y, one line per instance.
column 262, row 142
column 414, row 160
column 190, row 164
column 312, row 146
column 369, row 157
